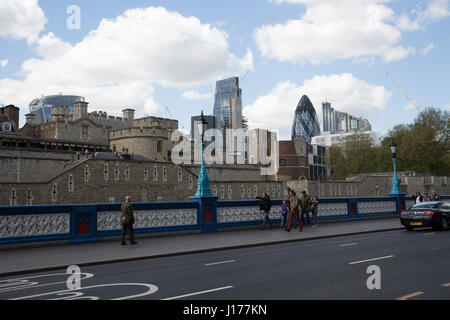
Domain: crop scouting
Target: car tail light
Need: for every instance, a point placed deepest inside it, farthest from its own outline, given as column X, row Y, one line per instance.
column 430, row 213
column 404, row 213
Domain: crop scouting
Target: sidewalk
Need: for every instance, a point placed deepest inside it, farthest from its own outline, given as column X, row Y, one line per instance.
column 16, row 261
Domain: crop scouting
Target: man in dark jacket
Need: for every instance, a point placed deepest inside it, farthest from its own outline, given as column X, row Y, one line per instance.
column 265, row 206
column 127, row 221
column 434, row 196
column 305, row 206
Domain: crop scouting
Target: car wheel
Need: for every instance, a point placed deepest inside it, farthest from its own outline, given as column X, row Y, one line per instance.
column 444, row 224
column 409, row 228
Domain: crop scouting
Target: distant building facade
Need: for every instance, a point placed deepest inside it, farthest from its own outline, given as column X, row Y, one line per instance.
column 195, row 120
column 327, row 140
column 80, row 126
column 293, row 160
column 306, row 123
column 336, row 122
column 9, row 120
column 42, row 107
column 228, row 104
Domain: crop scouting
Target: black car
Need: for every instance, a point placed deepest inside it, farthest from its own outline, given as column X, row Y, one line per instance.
column 434, row 214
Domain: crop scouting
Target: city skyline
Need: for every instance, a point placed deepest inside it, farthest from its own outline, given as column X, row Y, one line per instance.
column 280, row 50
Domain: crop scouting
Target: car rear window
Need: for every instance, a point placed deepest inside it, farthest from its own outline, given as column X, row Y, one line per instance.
column 427, row 205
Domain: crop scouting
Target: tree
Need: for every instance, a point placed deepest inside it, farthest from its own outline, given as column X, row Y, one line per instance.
column 423, row 146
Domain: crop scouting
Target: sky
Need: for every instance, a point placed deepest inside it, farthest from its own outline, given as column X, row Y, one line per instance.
column 163, row 57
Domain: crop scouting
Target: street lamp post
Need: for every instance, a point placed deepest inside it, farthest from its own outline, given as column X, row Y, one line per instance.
column 207, row 202
column 203, row 185
column 395, row 182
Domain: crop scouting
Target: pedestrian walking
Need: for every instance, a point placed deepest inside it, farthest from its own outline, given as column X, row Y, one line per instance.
column 265, row 206
column 284, row 214
column 305, row 206
column 419, row 197
column 434, row 196
column 127, row 221
column 425, row 197
column 293, row 206
column 314, row 211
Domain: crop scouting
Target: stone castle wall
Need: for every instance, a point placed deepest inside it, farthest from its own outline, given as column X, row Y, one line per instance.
column 105, row 181
column 31, row 166
column 372, row 186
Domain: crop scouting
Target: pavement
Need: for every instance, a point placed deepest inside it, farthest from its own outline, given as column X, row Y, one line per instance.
column 15, row 261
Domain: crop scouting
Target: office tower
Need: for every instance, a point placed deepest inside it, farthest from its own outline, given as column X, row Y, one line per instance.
column 42, row 107
column 335, row 121
column 195, row 134
column 306, row 123
column 228, row 104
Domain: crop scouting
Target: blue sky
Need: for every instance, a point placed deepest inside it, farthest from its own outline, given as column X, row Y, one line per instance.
column 150, row 54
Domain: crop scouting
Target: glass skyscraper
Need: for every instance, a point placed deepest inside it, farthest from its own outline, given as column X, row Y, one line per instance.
column 228, row 104
column 306, row 123
column 42, row 107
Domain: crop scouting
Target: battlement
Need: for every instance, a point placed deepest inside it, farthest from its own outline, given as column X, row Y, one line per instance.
column 102, row 118
column 139, row 132
column 156, row 122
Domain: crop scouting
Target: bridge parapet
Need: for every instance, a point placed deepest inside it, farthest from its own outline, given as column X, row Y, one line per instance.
column 95, row 222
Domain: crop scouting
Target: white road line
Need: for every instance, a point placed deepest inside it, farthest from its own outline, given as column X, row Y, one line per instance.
column 380, row 258
column 348, row 244
column 429, row 234
column 222, row 262
column 198, row 293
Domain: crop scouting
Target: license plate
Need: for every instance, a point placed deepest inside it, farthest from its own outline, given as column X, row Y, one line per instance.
column 415, row 223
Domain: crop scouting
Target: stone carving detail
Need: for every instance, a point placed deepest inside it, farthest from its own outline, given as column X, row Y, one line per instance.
column 34, row 225
column 243, row 214
column 332, row 209
column 376, row 207
column 110, row 220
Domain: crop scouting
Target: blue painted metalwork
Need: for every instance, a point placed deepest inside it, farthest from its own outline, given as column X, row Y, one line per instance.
column 80, row 223
column 203, row 183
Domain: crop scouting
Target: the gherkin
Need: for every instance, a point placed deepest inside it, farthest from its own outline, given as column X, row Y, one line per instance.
column 306, row 123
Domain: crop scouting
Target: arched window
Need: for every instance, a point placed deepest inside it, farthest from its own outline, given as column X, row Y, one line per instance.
column 159, row 146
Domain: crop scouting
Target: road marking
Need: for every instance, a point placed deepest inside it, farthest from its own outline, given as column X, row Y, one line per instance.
column 222, row 262
column 446, row 285
column 79, row 294
column 348, row 244
column 198, row 293
column 429, row 234
column 415, row 294
column 362, row 261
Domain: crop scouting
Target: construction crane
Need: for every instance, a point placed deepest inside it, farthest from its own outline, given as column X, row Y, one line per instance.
column 248, row 71
column 170, row 115
column 404, row 92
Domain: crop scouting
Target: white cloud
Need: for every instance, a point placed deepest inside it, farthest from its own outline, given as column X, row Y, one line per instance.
column 4, row 63
column 346, row 93
column 435, row 11
column 21, row 19
column 411, row 106
column 117, row 64
column 427, row 49
column 195, row 95
column 360, row 30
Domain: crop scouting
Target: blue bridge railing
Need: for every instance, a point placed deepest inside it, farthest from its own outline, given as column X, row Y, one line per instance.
column 95, row 222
